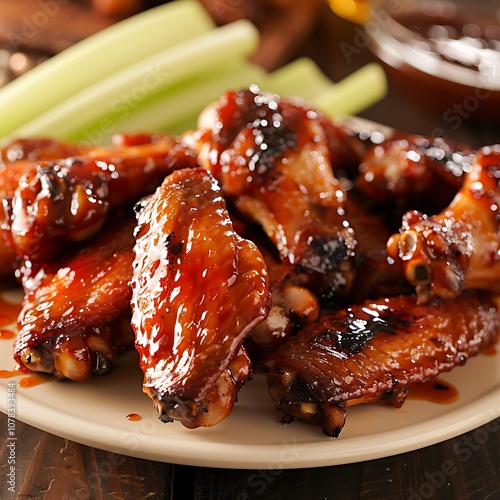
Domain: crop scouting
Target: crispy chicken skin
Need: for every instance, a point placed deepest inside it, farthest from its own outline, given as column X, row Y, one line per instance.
column 414, row 172
column 198, row 289
column 68, row 200
column 76, row 310
column 16, row 158
column 272, row 158
column 378, row 348
column 458, row 248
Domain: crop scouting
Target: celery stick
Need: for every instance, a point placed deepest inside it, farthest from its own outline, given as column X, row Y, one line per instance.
column 351, row 95
column 179, row 104
column 97, row 57
column 125, row 91
column 355, row 92
column 178, row 108
column 301, row 77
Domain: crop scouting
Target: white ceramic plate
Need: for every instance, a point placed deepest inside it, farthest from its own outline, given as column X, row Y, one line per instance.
column 95, row 413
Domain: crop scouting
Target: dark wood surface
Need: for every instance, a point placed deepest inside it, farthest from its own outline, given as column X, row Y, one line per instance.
column 466, row 467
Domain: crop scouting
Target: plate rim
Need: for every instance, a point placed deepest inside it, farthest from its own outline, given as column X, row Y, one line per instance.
column 287, row 455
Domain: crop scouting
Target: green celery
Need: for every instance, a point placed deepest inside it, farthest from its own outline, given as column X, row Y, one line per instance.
column 179, row 104
column 355, row 92
column 97, row 57
column 122, row 93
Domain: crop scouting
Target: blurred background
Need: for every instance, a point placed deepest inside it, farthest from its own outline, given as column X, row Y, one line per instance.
column 442, row 57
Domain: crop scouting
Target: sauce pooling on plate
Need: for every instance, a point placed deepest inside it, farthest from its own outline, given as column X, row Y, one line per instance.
column 32, row 380
column 6, row 334
column 433, row 391
column 133, row 417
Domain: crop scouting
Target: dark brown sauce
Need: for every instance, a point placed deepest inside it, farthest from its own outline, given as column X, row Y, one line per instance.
column 434, row 391
column 133, row 417
column 465, row 86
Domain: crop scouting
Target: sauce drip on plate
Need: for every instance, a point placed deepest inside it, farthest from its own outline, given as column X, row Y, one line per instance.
column 10, row 373
column 33, row 379
column 434, row 391
column 6, row 334
column 28, row 380
column 133, row 417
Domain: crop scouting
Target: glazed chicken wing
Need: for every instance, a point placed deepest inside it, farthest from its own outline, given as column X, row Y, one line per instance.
column 377, row 275
column 272, row 159
column 253, row 244
column 16, row 158
column 68, row 200
column 293, row 306
column 378, row 348
column 460, row 247
column 414, row 171
column 198, row 290
column 29, row 150
column 76, row 311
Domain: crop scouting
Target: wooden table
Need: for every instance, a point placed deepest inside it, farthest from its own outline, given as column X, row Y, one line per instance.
column 468, row 466
column 50, row 467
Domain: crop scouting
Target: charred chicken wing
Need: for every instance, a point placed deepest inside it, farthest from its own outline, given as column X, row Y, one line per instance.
column 378, row 348
column 460, row 247
column 272, row 159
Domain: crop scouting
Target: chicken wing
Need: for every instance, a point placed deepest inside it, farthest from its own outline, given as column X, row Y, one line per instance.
column 198, row 290
column 16, row 158
column 29, row 150
column 414, row 172
column 375, row 349
column 69, row 199
column 292, row 307
column 76, row 310
column 377, row 274
column 459, row 247
column 271, row 156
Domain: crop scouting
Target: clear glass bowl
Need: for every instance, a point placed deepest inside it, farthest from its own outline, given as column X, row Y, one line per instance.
column 444, row 53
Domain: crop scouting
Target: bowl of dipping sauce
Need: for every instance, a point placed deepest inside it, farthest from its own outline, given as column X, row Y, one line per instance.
column 445, row 54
